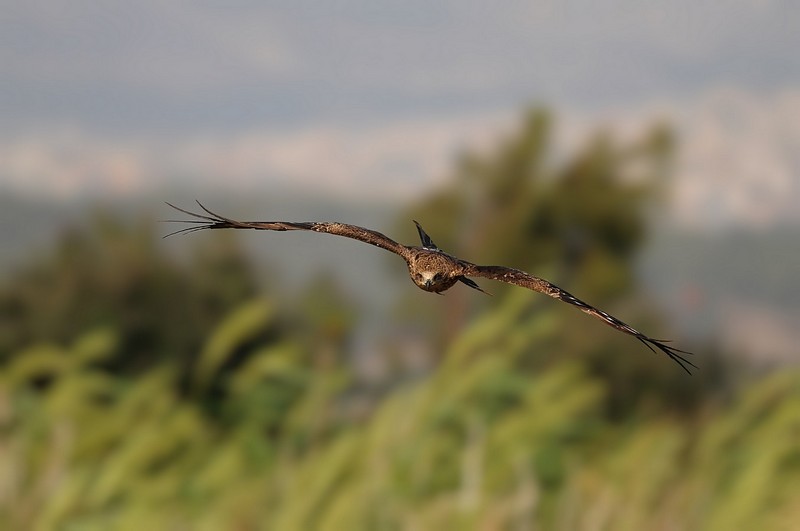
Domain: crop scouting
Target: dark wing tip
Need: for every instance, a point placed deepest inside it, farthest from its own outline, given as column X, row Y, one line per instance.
column 674, row 353
column 201, row 221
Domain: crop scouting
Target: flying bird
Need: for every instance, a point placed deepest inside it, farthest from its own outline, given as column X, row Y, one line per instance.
column 430, row 268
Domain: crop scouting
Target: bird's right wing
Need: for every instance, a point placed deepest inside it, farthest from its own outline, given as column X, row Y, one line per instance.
column 525, row 280
column 211, row 220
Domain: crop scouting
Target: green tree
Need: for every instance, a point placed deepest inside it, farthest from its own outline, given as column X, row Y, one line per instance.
column 576, row 219
column 519, row 207
column 113, row 274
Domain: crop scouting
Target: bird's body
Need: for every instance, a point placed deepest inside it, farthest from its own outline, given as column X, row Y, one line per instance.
column 430, row 268
column 433, row 270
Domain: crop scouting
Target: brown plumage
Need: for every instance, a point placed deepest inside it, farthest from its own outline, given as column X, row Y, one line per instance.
column 430, row 268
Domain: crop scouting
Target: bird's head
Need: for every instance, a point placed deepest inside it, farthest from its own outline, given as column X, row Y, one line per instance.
column 433, row 270
column 434, row 281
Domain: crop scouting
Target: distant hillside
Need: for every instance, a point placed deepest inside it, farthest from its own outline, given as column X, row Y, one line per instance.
column 29, row 224
column 32, row 226
column 762, row 266
column 739, row 284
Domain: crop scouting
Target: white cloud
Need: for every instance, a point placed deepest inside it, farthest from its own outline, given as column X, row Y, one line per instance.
column 69, row 163
column 738, row 153
column 739, row 156
column 390, row 160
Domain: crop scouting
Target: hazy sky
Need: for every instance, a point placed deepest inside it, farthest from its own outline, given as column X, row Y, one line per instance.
column 122, row 97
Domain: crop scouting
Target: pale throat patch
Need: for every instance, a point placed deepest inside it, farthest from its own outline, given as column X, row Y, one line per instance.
column 427, row 276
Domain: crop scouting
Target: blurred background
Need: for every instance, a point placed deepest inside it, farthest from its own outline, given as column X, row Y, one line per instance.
column 644, row 156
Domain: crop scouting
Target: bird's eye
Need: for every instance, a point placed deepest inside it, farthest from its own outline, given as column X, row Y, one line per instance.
column 437, row 276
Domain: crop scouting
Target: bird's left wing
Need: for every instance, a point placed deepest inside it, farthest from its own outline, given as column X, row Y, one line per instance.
column 212, row 220
column 525, row 280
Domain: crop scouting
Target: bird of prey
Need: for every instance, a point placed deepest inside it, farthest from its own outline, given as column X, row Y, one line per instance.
column 430, row 268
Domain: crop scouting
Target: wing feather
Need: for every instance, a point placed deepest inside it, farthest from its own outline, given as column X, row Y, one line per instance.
column 212, row 220
column 525, row 280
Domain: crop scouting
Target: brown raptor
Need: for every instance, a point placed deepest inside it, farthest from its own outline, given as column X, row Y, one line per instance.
column 430, row 268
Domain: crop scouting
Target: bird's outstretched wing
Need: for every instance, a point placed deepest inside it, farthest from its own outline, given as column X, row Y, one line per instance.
column 525, row 280
column 211, row 220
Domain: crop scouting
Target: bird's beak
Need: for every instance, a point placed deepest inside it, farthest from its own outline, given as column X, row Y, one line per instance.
column 428, row 283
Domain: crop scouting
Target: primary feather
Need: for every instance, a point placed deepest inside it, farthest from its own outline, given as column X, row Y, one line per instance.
column 525, row 280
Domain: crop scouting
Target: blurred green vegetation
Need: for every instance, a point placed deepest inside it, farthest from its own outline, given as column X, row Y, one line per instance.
column 142, row 391
column 114, row 275
column 482, row 442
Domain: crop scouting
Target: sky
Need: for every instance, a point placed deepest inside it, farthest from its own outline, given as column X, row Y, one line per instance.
column 374, row 98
